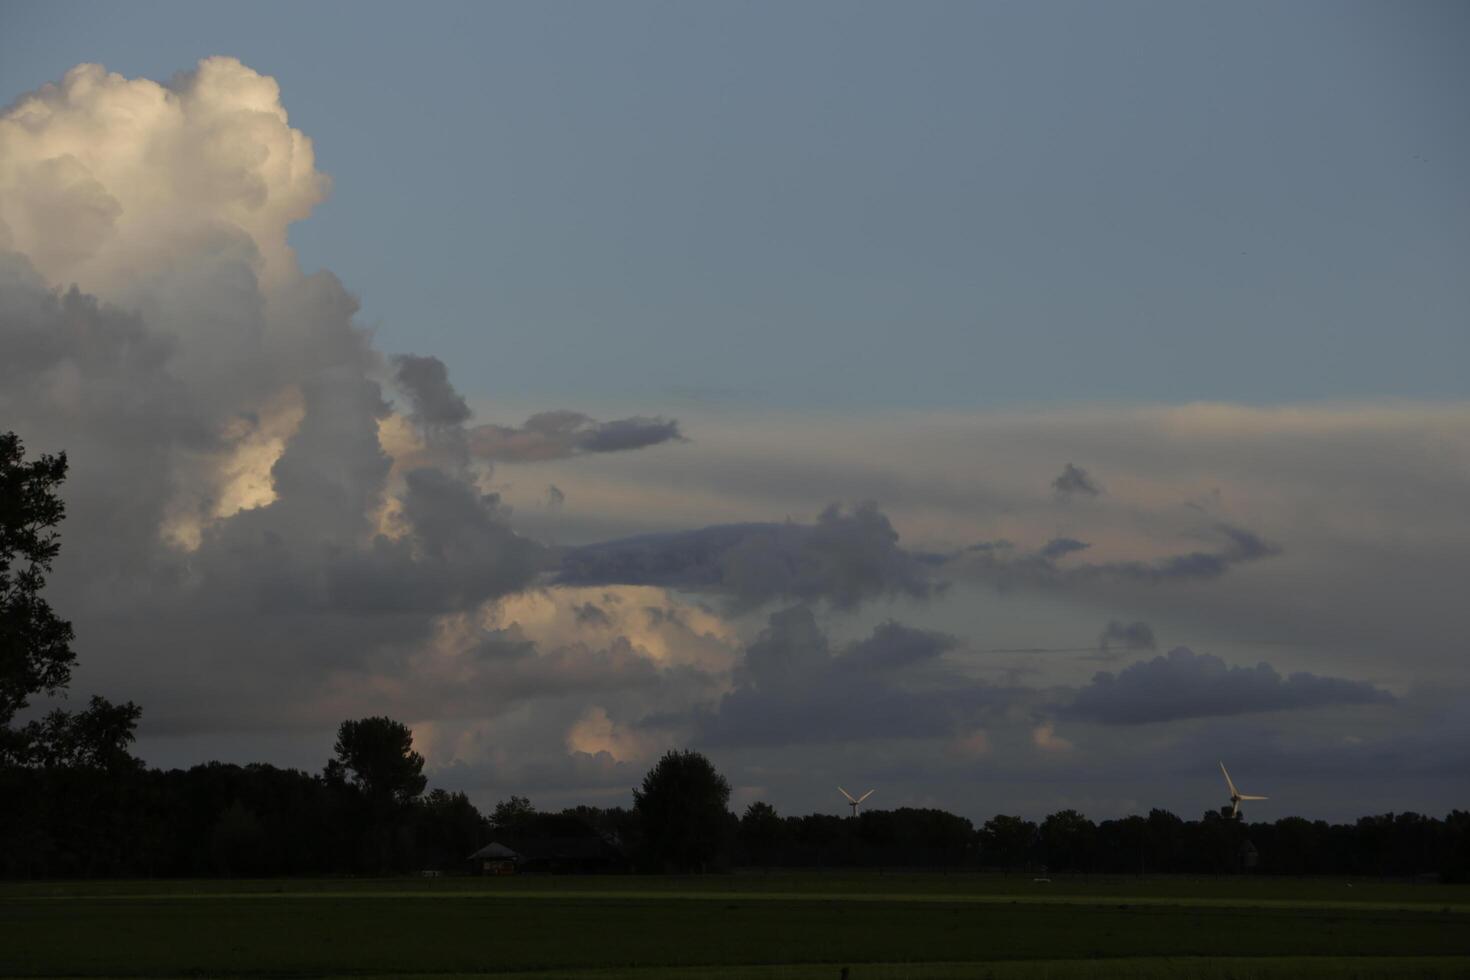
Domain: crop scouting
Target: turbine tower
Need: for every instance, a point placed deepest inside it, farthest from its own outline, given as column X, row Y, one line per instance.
column 1235, row 795
column 854, row 802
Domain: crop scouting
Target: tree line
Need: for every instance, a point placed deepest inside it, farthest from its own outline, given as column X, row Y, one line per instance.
column 367, row 812
column 75, row 801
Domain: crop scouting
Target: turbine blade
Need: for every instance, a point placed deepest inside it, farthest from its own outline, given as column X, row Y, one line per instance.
column 1255, row 797
column 865, row 796
column 1233, row 790
column 846, row 794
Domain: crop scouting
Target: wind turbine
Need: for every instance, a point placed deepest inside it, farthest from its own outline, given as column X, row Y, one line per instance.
column 854, row 802
column 1235, row 795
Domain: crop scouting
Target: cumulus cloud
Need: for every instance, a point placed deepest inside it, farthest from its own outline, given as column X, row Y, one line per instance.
column 245, row 505
column 845, row 558
column 241, row 507
column 107, row 182
column 1183, row 684
column 1074, row 481
column 555, row 435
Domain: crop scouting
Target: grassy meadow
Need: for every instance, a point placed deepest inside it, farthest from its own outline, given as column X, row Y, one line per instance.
column 746, row 925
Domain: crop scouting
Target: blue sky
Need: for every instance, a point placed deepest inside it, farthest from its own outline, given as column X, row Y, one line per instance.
column 858, row 205
column 1076, row 390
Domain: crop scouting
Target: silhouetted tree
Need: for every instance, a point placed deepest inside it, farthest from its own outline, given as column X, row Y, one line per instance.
column 1165, row 847
column 681, row 810
column 448, row 829
column 1007, row 841
column 96, row 737
column 378, row 754
column 761, row 833
column 1067, row 839
column 35, row 644
column 510, row 816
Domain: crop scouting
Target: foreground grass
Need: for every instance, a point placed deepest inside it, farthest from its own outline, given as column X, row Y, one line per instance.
column 1143, row 968
column 780, row 926
column 850, row 886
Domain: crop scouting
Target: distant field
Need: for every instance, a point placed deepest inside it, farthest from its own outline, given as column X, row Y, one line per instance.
column 762, row 926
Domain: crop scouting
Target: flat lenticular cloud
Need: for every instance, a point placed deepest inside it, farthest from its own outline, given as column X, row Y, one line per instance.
column 1060, row 547
column 557, row 435
column 1183, row 684
column 845, row 558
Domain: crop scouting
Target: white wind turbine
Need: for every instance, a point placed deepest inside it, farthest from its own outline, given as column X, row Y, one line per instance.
column 854, row 802
column 1235, row 795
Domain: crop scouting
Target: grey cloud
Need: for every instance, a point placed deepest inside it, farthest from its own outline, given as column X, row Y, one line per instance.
column 1060, row 547
column 1183, row 684
column 300, row 587
column 631, row 433
column 849, row 558
column 894, row 646
column 426, row 382
column 844, row 558
column 593, row 614
column 793, row 688
column 1010, row 567
column 1240, row 546
column 1075, row 481
column 459, row 552
column 1118, row 635
column 332, row 472
column 558, row 434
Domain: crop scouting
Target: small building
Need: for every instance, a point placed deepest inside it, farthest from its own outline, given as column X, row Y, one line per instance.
column 494, row 859
column 548, row 855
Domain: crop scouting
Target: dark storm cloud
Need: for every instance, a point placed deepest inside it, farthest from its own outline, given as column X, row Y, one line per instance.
column 893, row 646
column 844, row 559
column 794, row 688
column 426, row 382
column 554, row 435
column 1075, row 481
column 1183, row 684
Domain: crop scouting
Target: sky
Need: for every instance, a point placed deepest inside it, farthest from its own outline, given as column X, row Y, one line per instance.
column 1007, row 406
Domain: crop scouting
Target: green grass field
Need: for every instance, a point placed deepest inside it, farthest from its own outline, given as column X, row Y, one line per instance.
column 762, row 926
